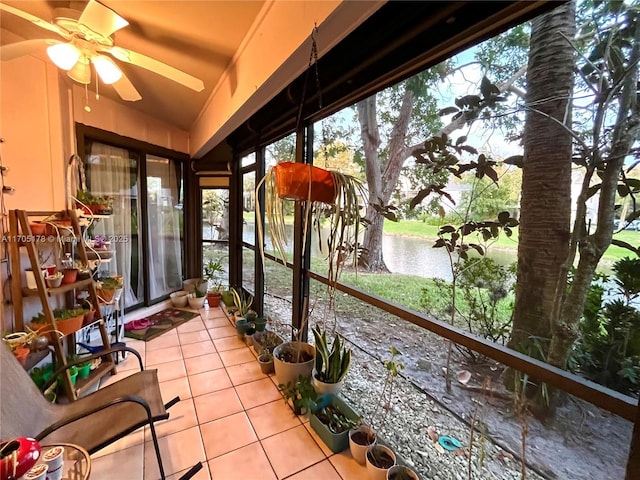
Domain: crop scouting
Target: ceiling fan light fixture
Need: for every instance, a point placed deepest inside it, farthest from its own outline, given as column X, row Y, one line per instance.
column 64, row 55
column 81, row 71
column 107, row 69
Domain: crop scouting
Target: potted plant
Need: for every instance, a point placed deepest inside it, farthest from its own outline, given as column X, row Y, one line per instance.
column 400, row 472
column 332, row 419
column 295, row 358
column 331, row 364
column 227, row 297
column 266, row 340
column 265, row 359
column 197, row 298
column 292, row 360
column 109, row 287
column 84, row 271
column 91, row 204
column 299, row 394
column 363, row 437
column 380, row 459
column 242, row 302
column 210, row 271
column 84, row 368
column 68, row 320
column 316, row 187
column 54, row 280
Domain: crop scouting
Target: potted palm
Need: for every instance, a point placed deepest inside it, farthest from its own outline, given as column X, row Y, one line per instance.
column 210, row 272
column 331, row 363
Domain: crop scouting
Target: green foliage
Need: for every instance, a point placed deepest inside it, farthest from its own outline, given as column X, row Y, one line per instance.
column 301, row 394
column 60, row 314
column 111, row 283
column 608, row 350
column 332, row 363
column 393, row 367
column 486, row 199
column 453, row 238
column 484, row 301
column 210, row 271
column 334, row 419
column 242, row 300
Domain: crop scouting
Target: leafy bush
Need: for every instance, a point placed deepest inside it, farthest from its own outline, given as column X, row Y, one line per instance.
column 608, row 349
column 484, row 301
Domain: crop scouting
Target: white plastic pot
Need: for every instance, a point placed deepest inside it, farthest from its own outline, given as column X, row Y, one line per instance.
column 377, row 473
column 359, row 451
column 179, row 298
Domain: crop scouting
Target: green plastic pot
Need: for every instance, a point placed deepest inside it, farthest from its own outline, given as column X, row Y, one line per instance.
column 227, row 298
column 84, row 370
column 260, row 323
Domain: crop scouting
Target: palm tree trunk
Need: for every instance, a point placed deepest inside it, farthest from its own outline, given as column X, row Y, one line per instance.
column 546, row 178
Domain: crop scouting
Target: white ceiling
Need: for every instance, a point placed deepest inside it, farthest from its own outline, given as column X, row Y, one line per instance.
column 198, row 37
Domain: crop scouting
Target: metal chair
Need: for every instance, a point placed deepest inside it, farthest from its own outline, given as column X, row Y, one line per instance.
column 93, row 421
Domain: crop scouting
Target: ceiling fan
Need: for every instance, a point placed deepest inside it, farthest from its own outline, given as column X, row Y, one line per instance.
column 87, row 38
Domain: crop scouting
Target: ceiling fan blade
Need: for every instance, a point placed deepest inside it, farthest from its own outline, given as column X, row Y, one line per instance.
column 158, row 67
column 35, row 20
column 101, row 19
column 26, row 47
column 126, row 90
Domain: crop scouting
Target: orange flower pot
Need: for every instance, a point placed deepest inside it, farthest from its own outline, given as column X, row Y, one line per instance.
column 70, row 325
column 293, row 180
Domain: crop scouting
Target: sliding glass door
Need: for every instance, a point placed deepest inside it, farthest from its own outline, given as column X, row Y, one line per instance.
column 164, row 226
column 146, row 227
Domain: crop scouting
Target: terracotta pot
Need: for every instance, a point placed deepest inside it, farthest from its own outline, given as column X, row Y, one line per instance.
column 70, row 276
column 70, row 325
column 37, row 228
column 299, row 181
column 213, row 299
column 21, row 354
column 88, row 317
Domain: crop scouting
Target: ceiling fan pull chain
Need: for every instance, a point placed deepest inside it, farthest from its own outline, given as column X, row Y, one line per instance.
column 97, row 87
column 87, row 108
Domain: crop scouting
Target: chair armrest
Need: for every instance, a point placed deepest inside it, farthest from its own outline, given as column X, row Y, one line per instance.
column 94, row 409
column 85, row 358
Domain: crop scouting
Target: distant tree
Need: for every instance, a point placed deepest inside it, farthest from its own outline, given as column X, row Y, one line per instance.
column 391, row 122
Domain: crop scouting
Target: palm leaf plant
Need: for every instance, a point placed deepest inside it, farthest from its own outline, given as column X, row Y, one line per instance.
column 332, row 363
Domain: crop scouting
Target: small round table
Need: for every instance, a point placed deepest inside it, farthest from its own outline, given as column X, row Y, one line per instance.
column 77, row 462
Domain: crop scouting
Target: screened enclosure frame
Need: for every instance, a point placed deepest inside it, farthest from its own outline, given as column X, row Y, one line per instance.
column 276, row 120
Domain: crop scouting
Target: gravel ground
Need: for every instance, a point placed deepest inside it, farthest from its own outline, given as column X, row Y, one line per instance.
column 583, row 443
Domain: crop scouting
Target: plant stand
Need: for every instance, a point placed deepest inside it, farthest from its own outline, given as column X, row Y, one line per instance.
column 21, row 236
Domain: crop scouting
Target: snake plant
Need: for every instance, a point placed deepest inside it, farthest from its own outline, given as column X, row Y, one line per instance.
column 332, row 363
column 242, row 301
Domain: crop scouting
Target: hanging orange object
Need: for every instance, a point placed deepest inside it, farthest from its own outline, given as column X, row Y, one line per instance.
column 293, row 180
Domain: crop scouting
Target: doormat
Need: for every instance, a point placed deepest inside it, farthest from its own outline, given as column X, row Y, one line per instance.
column 155, row 325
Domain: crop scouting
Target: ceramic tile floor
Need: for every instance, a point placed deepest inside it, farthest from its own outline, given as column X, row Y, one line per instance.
column 230, row 417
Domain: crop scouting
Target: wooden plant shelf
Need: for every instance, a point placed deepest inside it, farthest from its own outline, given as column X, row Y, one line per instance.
column 21, row 237
column 79, row 285
column 84, row 384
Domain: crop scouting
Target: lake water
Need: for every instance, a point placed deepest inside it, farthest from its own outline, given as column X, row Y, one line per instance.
column 406, row 254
